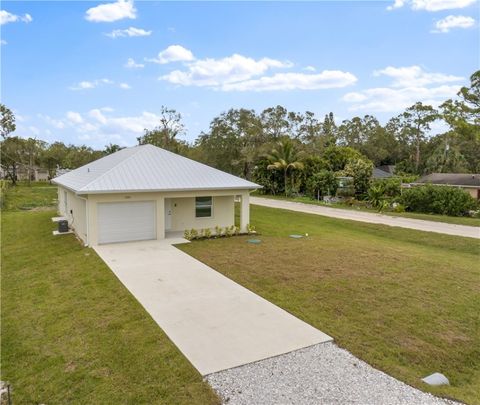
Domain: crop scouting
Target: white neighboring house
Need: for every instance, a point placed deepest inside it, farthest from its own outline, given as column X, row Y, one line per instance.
column 145, row 192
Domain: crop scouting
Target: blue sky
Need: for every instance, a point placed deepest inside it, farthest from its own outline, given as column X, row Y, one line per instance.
column 66, row 70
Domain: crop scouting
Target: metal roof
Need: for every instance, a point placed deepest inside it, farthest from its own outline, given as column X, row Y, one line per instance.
column 380, row 174
column 452, row 179
column 148, row 168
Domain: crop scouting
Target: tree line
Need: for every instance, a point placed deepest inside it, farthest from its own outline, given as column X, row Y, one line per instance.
column 287, row 151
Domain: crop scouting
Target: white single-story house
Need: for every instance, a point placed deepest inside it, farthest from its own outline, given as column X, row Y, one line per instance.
column 145, row 192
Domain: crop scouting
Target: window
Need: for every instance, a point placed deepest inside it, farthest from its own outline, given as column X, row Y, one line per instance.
column 203, row 207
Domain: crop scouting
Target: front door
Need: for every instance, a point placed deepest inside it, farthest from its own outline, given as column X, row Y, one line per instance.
column 168, row 214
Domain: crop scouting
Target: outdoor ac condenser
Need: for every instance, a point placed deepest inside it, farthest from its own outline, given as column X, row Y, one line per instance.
column 62, row 226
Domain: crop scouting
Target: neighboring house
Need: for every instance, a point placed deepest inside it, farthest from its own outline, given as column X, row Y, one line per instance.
column 467, row 181
column 378, row 173
column 24, row 172
column 387, row 168
column 144, row 192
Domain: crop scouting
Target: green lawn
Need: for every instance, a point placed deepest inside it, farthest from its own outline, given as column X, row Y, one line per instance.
column 415, row 215
column 405, row 301
column 25, row 197
column 71, row 333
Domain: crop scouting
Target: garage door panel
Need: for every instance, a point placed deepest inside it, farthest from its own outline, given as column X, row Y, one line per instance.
column 126, row 221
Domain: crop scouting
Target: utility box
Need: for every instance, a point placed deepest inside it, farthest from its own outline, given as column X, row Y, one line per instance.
column 62, row 226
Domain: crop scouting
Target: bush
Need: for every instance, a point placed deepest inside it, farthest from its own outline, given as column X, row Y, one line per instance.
column 321, row 184
column 438, row 200
column 391, row 186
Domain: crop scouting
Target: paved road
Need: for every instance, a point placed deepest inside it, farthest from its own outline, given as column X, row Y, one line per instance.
column 402, row 222
column 216, row 323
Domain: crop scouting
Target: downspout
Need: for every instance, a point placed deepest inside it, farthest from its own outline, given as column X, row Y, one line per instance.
column 87, row 219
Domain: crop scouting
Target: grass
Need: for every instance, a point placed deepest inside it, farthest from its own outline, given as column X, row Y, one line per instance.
column 415, row 215
column 71, row 333
column 405, row 301
column 25, row 197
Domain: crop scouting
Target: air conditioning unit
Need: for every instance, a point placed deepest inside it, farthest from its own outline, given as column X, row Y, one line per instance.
column 62, row 226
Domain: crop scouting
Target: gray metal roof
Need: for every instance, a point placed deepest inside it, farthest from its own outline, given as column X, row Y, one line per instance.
column 148, row 168
column 380, row 174
column 452, row 179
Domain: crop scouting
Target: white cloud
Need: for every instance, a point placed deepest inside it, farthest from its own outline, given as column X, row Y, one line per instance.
column 174, row 53
column 112, row 11
column 453, row 21
column 294, row 81
column 217, row 72
column 3, row 42
column 74, row 117
column 131, row 64
column 385, row 99
column 432, row 5
column 310, row 68
column 58, row 124
column 409, row 85
column 414, row 76
column 6, row 17
column 88, row 85
column 124, row 86
column 129, row 32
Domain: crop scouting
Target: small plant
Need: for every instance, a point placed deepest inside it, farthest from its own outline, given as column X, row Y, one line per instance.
column 228, row 231
column 207, row 232
column 251, row 229
column 218, row 231
column 187, row 235
column 202, row 233
column 193, row 233
column 236, row 230
column 382, row 205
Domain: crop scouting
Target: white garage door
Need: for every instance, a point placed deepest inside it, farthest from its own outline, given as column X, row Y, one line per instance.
column 126, row 221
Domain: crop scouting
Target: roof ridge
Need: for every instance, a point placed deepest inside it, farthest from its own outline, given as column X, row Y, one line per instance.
column 114, row 166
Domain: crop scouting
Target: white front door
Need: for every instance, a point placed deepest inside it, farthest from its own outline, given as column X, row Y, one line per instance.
column 168, row 214
column 126, row 221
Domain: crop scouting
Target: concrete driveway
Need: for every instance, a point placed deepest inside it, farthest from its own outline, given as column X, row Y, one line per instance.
column 402, row 222
column 215, row 322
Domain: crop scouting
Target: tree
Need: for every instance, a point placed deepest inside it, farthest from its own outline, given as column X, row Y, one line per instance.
column 285, row 158
column 165, row 134
column 7, row 121
column 111, row 148
column 361, row 172
column 337, row 157
column 275, row 122
column 234, row 142
column 321, row 184
column 416, row 121
column 11, row 156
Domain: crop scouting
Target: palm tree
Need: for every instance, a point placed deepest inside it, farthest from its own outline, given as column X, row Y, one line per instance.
column 285, row 158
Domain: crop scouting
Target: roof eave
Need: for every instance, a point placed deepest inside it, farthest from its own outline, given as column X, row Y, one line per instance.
column 168, row 190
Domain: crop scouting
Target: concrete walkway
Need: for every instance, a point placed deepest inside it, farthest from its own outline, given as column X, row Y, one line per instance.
column 402, row 222
column 215, row 322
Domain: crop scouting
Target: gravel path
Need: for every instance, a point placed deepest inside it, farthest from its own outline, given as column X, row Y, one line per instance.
column 320, row 374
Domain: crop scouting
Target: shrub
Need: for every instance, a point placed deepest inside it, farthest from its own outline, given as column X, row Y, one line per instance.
column 187, row 235
column 375, row 195
column 218, row 230
column 322, row 183
column 442, row 200
column 207, row 232
column 193, row 233
column 391, row 187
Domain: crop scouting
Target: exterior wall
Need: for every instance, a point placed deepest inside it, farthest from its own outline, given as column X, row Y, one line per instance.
column 183, row 213
column 472, row 191
column 75, row 211
column 183, row 209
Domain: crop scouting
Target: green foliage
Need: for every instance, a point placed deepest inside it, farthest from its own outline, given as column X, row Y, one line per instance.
column 375, row 195
column 337, row 157
column 7, row 121
column 218, row 230
column 438, row 200
column 187, row 234
column 391, row 186
column 165, row 134
column 285, row 158
column 193, row 233
column 323, row 183
column 361, row 172
column 207, row 232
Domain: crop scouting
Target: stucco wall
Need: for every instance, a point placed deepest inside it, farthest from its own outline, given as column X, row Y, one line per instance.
column 183, row 209
column 183, row 214
column 75, row 212
column 472, row 191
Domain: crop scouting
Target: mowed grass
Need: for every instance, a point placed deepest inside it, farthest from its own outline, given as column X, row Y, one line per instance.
column 33, row 196
column 470, row 221
column 405, row 301
column 72, row 334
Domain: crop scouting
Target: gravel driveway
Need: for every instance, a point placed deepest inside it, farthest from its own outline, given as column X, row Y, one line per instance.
column 320, row 374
